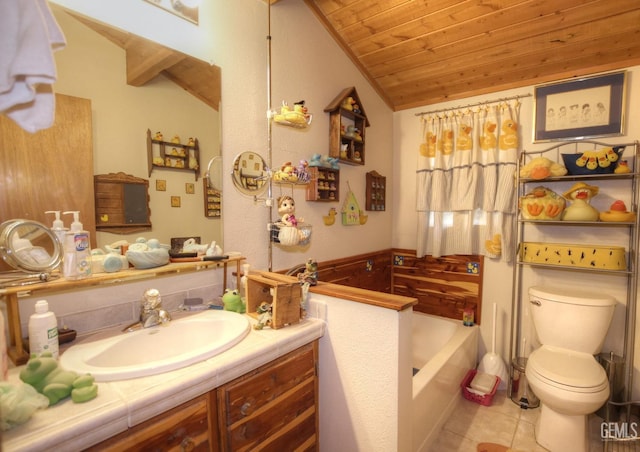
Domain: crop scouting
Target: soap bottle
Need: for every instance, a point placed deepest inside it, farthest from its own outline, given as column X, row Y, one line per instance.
column 76, row 263
column 58, row 227
column 43, row 330
column 244, row 281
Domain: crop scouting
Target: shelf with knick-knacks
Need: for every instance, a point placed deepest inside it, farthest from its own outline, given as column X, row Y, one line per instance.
column 212, row 200
column 324, row 184
column 347, row 124
column 172, row 154
column 376, row 191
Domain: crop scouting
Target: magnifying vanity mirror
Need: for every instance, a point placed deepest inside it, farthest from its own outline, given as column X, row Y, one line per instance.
column 250, row 173
column 31, row 249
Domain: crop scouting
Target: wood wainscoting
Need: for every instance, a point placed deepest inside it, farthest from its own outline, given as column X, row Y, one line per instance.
column 444, row 286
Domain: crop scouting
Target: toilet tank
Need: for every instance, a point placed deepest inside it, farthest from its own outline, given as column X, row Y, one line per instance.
column 573, row 319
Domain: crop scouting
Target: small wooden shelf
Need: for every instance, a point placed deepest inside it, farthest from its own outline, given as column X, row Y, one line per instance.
column 347, row 124
column 324, row 184
column 376, row 192
column 212, row 200
column 175, row 156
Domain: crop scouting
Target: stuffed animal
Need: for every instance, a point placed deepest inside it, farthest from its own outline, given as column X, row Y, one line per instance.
column 49, row 379
column 310, row 274
column 287, row 208
column 232, row 301
column 541, row 168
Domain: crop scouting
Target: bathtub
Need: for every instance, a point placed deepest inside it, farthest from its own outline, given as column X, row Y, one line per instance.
column 443, row 351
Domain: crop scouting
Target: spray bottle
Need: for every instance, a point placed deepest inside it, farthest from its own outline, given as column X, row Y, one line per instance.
column 58, row 226
column 77, row 250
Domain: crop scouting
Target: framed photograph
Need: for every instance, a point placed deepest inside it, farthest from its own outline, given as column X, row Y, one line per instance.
column 161, row 185
column 582, row 108
column 189, row 188
column 175, row 201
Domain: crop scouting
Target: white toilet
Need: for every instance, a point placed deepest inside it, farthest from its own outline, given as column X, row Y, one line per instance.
column 563, row 373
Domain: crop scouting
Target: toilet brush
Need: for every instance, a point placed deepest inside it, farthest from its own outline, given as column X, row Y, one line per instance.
column 491, row 362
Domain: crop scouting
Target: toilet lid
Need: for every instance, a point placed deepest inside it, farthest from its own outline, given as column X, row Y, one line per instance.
column 575, row 371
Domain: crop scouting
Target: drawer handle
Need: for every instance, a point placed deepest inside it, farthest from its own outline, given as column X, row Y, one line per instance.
column 187, row 444
column 245, row 408
column 535, row 302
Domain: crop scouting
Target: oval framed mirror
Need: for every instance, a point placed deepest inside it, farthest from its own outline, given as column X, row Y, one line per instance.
column 250, row 173
column 29, row 246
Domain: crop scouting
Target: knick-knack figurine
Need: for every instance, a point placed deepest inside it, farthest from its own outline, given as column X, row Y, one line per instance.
column 580, row 196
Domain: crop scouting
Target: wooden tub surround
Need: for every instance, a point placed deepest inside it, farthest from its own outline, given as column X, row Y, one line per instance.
column 443, row 286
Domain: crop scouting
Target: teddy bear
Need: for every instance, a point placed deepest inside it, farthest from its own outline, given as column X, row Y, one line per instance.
column 232, row 301
column 286, row 208
column 49, row 379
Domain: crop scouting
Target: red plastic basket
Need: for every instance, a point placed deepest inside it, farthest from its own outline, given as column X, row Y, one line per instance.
column 486, row 399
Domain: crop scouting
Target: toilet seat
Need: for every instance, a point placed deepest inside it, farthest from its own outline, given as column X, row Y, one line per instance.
column 567, row 370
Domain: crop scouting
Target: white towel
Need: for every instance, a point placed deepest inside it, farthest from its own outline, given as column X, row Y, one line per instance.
column 28, row 36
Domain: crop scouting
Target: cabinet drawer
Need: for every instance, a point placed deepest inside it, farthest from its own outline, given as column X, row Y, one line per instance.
column 183, row 428
column 250, row 393
column 273, row 408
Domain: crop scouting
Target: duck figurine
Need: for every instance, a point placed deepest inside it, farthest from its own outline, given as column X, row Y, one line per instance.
column 617, row 212
column 580, row 197
column 331, row 218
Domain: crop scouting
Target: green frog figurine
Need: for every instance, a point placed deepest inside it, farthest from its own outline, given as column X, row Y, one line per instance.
column 232, row 301
column 49, row 379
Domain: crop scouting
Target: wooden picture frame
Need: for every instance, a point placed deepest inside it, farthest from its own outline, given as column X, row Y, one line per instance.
column 583, row 108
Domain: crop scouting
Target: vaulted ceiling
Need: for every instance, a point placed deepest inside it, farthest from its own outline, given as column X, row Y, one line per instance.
column 421, row 52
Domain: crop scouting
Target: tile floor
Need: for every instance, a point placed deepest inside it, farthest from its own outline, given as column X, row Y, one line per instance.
column 505, row 423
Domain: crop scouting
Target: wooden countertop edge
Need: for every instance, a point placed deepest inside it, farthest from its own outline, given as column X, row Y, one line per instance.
column 119, row 277
column 381, row 299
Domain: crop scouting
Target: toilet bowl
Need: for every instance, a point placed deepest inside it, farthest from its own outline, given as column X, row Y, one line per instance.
column 563, row 372
column 570, row 386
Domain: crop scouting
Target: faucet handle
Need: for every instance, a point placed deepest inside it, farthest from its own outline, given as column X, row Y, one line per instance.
column 152, row 299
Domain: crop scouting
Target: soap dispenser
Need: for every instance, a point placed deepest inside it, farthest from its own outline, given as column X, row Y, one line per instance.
column 58, row 226
column 76, row 263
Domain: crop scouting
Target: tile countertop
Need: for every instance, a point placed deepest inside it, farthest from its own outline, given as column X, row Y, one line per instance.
column 126, row 403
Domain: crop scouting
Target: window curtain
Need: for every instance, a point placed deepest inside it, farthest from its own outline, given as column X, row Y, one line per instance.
column 465, row 181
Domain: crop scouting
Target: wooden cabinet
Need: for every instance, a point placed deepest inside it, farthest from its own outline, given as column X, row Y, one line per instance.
column 122, row 203
column 188, row 427
column 178, row 156
column 324, row 184
column 273, row 408
column 376, row 191
column 347, row 124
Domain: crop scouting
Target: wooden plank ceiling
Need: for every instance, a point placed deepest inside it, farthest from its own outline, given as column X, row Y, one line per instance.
column 421, row 52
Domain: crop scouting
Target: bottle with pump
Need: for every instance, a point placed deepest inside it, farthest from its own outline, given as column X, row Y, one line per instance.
column 58, row 226
column 76, row 263
column 43, row 330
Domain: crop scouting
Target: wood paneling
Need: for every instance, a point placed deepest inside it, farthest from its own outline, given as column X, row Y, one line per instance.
column 51, row 169
column 443, row 286
column 418, row 53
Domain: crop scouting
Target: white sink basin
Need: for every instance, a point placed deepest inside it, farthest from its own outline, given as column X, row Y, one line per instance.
column 151, row 351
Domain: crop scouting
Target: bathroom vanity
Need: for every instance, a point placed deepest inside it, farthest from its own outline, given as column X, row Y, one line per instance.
column 262, row 391
column 275, row 406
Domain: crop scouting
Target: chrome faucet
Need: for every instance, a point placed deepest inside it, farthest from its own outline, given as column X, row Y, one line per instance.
column 151, row 313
